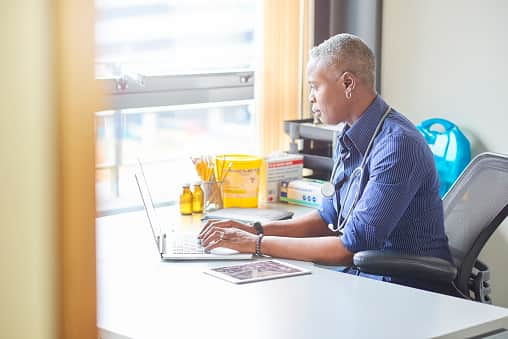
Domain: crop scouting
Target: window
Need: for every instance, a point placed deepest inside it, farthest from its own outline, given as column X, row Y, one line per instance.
column 179, row 75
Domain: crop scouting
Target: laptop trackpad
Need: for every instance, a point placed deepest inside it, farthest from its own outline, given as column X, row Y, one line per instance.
column 223, row 251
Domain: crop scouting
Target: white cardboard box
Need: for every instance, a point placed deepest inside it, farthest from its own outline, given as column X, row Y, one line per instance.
column 305, row 192
column 276, row 168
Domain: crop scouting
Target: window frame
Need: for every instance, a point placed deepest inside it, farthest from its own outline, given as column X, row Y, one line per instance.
column 132, row 90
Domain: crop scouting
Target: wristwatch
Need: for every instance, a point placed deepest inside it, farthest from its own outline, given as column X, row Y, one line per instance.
column 257, row 226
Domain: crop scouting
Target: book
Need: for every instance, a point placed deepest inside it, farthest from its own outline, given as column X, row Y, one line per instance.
column 256, row 271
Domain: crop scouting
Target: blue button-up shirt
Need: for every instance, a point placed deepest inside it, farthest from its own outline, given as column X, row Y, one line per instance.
column 399, row 207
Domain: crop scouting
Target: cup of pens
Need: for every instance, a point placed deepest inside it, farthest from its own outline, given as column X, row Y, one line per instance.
column 212, row 177
column 214, row 195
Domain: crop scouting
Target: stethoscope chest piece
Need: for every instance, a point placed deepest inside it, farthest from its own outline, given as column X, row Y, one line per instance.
column 327, row 190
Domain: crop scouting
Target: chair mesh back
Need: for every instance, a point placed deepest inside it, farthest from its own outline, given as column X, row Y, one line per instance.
column 478, row 195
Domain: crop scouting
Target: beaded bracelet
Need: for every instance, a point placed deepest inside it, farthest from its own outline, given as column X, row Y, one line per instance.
column 258, row 245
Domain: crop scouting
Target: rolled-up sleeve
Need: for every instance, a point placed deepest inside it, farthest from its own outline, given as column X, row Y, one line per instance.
column 327, row 211
column 395, row 174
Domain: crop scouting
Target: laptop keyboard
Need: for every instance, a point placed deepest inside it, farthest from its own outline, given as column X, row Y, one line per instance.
column 186, row 244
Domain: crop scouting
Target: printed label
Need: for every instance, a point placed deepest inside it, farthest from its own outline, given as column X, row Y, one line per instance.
column 241, row 184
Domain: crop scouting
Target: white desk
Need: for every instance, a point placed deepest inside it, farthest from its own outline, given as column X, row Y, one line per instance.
column 141, row 297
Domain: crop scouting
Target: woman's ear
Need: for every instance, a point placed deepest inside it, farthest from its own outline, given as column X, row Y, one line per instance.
column 348, row 81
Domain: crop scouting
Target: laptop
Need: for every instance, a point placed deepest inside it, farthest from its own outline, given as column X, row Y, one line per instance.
column 174, row 245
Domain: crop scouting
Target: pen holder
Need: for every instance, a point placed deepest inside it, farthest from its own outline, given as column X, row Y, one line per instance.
column 213, row 195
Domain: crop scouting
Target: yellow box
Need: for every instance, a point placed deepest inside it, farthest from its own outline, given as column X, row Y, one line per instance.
column 240, row 174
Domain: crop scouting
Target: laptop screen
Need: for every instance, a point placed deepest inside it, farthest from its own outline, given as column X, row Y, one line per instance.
column 150, row 210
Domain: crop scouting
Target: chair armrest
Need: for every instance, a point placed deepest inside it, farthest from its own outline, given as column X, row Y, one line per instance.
column 404, row 266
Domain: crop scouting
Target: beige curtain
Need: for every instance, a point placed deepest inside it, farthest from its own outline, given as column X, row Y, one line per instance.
column 281, row 89
column 47, row 200
column 77, row 99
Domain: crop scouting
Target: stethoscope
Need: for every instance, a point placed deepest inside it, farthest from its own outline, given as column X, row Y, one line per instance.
column 328, row 189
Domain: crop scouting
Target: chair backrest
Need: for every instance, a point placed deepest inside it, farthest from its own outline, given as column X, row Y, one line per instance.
column 473, row 208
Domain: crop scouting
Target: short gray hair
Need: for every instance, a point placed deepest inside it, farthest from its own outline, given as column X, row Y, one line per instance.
column 348, row 53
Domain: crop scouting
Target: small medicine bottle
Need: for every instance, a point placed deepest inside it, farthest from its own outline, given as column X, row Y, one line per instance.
column 186, row 200
column 197, row 198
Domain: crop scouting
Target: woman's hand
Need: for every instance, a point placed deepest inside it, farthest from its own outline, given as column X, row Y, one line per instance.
column 230, row 234
column 210, row 224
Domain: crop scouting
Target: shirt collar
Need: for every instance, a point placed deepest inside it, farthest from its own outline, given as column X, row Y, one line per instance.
column 360, row 133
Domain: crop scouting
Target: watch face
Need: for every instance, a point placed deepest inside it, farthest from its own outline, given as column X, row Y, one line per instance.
column 258, row 227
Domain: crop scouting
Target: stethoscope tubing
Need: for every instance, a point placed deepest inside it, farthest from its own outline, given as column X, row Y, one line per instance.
column 329, row 190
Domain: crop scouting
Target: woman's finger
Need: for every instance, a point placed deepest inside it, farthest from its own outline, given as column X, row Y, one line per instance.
column 216, row 239
column 212, row 235
column 212, row 228
column 207, row 225
column 216, row 223
column 233, row 238
column 208, row 229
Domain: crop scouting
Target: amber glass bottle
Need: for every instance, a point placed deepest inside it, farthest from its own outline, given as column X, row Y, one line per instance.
column 186, row 200
column 197, row 198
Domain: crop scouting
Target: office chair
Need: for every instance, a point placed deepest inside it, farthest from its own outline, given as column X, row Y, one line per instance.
column 473, row 209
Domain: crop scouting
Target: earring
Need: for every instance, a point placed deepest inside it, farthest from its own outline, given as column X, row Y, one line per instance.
column 348, row 94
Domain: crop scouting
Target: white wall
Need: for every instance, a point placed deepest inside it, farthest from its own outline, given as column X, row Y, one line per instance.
column 449, row 58
column 27, row 172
